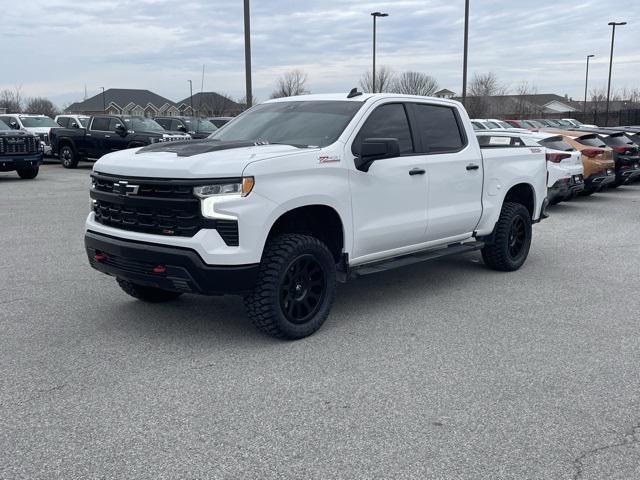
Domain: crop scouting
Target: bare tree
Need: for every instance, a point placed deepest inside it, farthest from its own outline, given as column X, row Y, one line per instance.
column 11, row 100
column 41, row 105
column 290, row 84
column 384, row 80
column 481, row 88
column 598, row 96
column 243, row 102
column 414, row 83
column 523, row 105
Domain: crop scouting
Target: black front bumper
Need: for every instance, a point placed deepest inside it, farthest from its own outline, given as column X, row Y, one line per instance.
column 169, row 268
column 8, row 163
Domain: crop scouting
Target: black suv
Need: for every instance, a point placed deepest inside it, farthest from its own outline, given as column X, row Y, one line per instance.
column 106, row 134
column 196, row 127
column 20, row 151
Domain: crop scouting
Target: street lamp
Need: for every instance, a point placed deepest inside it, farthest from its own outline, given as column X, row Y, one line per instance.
column 466, row 51
column 104, row 107
column 247, row 54
column 191, row 95
column 373, row 78
column 586, row 82
column 613, row 36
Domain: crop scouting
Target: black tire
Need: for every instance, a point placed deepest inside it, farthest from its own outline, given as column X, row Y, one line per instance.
column 28, row 172
column 511, row 241
column 295, row 289
column 147, row 294
column 68, row 156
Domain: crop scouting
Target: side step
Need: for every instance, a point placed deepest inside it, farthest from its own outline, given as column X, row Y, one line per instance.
column 383, row 265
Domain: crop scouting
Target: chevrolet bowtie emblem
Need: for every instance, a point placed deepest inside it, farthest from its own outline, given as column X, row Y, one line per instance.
column 123, row 188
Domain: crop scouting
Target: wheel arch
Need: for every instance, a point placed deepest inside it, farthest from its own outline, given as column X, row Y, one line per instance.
column 524, row 194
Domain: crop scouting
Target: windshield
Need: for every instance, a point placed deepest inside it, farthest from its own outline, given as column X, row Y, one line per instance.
column 492, row 124
column 4, row 126
column 575, row 122
column 34, row 122
column 199, row 125
column 478, row 126
column 304, row 123
column 505, row 125
column 143, row 124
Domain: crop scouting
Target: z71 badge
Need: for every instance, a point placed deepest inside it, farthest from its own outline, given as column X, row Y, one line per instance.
column 328, row 159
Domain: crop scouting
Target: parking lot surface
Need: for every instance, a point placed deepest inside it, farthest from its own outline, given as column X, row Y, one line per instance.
column 438, row 370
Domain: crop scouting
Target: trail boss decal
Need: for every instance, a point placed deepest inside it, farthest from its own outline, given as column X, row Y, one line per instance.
column 328, row 159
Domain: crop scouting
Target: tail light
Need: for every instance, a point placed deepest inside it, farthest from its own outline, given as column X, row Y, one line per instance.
column 592, row 152
column 622, row 150
column 557, row 157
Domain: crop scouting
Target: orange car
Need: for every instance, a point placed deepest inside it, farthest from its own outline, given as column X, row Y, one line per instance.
column 599, row 167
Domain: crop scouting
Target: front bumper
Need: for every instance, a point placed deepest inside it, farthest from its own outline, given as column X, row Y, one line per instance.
column 182, row 269
column 9, row 163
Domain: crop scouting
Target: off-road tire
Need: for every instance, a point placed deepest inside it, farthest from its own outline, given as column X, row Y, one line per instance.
column 68, row 156
column 498, row 255
column 28, row 173
column 147, row 294
column 269, row 305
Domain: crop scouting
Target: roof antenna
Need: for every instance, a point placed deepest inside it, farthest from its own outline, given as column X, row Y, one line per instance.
column 354, row 93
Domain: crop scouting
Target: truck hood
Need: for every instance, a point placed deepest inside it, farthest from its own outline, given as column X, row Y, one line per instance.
column 190, row 159
column 15, row 133
column 38, row 129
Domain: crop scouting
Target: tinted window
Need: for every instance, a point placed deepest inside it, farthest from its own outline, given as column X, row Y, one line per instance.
column 176, row 124
column 4, row 126
column 35, row 122
column 63, row 121
column 113, row 123
column 591, row 141
column 164, row 122
column 556, row 143
column 100, row 123
column 386, row 121
column 438, row 128
column 617, row 141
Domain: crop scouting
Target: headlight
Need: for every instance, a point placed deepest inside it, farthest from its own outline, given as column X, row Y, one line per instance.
column 241, row 188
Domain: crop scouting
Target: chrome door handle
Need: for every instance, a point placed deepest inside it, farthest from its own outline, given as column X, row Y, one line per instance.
column 417, row 171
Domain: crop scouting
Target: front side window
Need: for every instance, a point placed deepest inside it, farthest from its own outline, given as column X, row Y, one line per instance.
column 298, row 123
column 63, row 121
column 386, row 121
column 4, row 126
column 142, row 124
column 439, row 128
column 163, row 122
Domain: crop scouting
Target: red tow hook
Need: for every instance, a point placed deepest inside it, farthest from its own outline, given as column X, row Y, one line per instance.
column 159, row 269
column 100, row 257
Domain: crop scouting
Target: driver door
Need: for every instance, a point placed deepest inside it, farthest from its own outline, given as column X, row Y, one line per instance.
column 389, row 201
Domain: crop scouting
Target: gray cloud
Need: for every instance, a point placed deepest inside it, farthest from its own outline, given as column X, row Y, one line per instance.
column 55, row 47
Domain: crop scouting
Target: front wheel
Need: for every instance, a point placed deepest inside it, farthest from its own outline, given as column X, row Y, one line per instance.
column 511, row 240
column 295, row 288
column 28, row 172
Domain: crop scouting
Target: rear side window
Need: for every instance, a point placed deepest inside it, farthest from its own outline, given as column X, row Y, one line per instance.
column 100, row 123
column 386, row 121
column 591, row 141
column 439, row 128
column 63, row 121
column 556, row 143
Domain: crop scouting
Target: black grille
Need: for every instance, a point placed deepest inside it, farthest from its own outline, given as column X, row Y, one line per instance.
column 158, row 207
column 19, row 144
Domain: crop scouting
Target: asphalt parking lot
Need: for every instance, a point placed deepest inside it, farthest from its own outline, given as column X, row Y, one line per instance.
column 440, row 370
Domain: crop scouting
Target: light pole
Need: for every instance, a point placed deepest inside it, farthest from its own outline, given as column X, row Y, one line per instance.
column 247, row 54
column 466, row 51
column 613, row 36
column 586, row 82
column 191, row 95
column 375, row 15
column 104, row 107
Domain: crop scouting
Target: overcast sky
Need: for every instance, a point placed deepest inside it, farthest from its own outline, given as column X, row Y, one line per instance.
column 56, row 47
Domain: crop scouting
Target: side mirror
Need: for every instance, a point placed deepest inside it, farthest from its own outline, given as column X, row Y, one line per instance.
column 373, row 149
column 120, row 129
column 182, row 128
column 75, row 125
column 14, row 125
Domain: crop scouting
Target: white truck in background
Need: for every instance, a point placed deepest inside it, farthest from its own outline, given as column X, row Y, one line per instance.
column 299, row 193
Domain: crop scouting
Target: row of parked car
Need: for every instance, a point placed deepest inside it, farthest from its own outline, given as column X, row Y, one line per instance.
column 581, row 159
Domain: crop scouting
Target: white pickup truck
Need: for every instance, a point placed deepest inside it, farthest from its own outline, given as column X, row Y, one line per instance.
column 300, row 193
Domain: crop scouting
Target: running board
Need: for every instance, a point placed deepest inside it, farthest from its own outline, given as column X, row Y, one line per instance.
column 410, row 259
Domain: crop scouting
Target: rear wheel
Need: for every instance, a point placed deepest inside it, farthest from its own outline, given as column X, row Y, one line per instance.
column 68, row 157
column 295, row 288
column 511, row 240
column 147, row 294
column 28, row 172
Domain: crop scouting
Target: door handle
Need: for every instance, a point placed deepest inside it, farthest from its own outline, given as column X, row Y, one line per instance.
column 88, row 135
column 107, row 136
column 417, row 171
column 473, row 166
